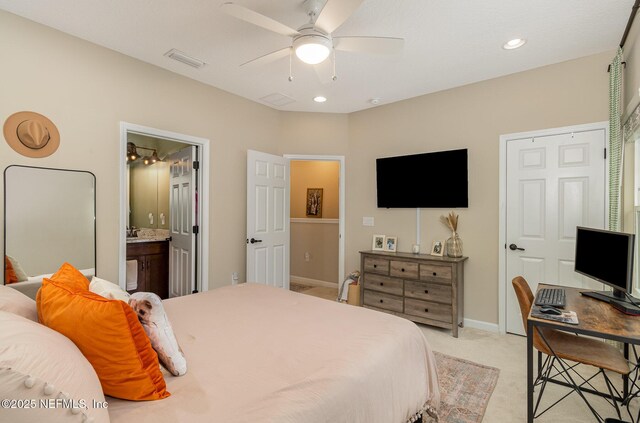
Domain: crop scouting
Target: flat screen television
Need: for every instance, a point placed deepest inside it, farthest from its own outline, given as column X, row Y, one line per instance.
column 427, row 180
column 607, row 257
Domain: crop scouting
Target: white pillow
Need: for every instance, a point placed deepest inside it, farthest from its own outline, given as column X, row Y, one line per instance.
column 16, row 302
column 20, row 273
column 148, row 306
column 108, row 290
column 39, row 364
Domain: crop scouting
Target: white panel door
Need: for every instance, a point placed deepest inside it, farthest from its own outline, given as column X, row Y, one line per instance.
column 554, row 183
column 182, row 210
column 267, row 219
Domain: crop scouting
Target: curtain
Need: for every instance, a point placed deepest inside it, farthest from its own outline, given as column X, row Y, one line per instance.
column 616, row 147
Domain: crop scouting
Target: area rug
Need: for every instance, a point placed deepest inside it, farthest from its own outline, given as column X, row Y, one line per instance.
column 465, row 389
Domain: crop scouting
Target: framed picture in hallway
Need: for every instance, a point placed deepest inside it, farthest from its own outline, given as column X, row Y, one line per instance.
column 314, row 202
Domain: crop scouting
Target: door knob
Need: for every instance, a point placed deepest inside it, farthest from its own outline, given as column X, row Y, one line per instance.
column 253, row 240
column 514, row 247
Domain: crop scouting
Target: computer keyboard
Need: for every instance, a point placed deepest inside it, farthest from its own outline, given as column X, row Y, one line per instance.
column 554, row 297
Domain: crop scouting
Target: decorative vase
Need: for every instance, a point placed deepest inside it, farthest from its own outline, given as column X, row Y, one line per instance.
column 454, row 246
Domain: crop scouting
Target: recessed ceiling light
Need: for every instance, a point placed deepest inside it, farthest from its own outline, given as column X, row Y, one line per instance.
column 515, row 43
column 319, row 99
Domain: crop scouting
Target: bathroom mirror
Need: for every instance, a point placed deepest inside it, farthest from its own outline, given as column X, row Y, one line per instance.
column 49, row 219
column 149, row 195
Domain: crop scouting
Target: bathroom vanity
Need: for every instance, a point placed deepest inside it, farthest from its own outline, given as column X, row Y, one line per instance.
column 153, row 265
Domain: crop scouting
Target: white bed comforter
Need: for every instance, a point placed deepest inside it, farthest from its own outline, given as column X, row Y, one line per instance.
column 261, row 354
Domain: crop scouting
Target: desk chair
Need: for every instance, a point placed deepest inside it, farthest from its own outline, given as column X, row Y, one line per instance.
column 559, row 346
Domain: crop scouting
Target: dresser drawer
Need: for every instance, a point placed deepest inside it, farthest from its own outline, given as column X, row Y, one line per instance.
column 428, row 291
column 435, row 273
column 428, row 310
column 376, row 265
column 382, row 300
column 383, row 284
column 404, row 269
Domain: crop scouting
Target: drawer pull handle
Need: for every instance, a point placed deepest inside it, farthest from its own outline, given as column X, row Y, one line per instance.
column 381, row 284
column 375, row 266
column 381, row 301
column 426, row 291
column 402, row 269
column 426, row 310
column 435, row 274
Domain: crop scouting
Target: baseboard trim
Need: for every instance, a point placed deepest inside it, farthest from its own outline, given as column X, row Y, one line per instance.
column 478, row 324
column 311, row 282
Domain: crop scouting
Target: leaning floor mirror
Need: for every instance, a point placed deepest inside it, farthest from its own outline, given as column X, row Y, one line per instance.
column 49, row 219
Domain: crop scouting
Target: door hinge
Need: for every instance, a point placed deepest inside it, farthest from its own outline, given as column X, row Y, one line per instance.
column 196, row 229
column 605, row 154
column 196, row 165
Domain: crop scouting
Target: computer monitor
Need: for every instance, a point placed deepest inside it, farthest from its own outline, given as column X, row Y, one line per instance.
column 607, row 257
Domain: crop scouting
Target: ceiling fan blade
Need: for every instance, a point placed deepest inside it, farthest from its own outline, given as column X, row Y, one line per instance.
column 334, row 13
column 324, row 71
column 256, row 18
column 371, row 45
column 269, row 57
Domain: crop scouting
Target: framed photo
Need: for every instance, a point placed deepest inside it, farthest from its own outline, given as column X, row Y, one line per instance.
column 437, row 248
column 391, row 244
column 378, row 242
column 314, row 202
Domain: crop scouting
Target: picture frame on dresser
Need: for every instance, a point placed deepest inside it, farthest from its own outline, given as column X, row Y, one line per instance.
column 420, row 287
column 378, row 242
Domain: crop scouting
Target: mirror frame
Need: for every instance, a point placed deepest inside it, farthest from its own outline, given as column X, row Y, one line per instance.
column 95, row 211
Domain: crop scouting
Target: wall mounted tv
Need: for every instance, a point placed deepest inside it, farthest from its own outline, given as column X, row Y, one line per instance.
column 427, row 180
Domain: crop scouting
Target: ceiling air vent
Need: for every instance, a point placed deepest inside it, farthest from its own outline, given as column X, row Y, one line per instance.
column 184, row 58
column 277, row 99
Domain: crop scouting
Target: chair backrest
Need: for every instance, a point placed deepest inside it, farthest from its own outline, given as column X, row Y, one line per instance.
column 525, row 297
column 525, row 300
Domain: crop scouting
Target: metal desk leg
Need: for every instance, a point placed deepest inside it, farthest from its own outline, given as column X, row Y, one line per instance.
column 529, row 372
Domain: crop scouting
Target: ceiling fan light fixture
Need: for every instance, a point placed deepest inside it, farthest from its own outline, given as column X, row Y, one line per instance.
column 515, row 43
column 312, row 49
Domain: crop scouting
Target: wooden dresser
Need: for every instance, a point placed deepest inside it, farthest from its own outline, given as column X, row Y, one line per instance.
column 419, row 287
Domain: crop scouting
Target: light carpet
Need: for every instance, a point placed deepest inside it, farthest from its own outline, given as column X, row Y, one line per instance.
column 465, row 389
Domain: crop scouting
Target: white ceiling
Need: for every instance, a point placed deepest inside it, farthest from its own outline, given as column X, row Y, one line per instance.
column 448, row 43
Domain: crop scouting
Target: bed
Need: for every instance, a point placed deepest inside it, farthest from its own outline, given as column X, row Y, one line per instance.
column 262, row 354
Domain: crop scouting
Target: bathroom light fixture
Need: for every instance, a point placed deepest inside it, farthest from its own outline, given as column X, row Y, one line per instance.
column 515, row 43
column 319, row 99
column 132, row 151
column 313, row 48
column 154, row 157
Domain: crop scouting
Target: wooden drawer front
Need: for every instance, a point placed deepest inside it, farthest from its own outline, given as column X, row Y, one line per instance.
column 428, row 310
column 382, row 300
column 383, row 284
column 376, row 265
column 435, row 273
column 428, row 291
column 404, row 269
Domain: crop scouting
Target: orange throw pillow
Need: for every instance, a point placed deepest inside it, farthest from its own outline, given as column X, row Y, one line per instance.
column 9, row 274
column 109, row 335
column 71, row 278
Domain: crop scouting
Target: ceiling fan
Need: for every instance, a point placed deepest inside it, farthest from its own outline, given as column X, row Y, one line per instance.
column 312, row 42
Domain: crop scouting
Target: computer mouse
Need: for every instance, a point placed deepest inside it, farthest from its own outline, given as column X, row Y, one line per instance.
column 550, row 310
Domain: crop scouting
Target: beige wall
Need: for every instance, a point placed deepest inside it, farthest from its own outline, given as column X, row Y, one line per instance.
column 88, row 90
column 315, row 174
column 320, row 242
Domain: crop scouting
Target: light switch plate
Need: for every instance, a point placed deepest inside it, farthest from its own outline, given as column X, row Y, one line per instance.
column 367, row 221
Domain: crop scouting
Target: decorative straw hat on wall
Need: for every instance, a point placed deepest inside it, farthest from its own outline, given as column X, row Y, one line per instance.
column 31, row 134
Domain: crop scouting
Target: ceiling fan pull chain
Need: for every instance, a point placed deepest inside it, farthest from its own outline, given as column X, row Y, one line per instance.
column 290, row 60
column 334, row 77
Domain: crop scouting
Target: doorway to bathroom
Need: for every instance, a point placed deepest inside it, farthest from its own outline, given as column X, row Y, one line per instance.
column 164, row 208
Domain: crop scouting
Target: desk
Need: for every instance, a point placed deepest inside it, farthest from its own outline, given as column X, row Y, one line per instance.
column 597, row 319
